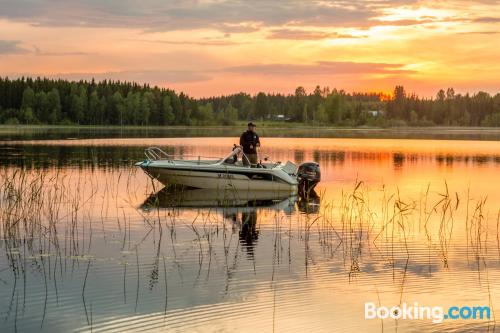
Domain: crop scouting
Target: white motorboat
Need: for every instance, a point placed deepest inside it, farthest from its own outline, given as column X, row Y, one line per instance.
column 231, row 172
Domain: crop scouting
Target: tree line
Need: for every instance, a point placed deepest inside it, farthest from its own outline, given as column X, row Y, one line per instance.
column 48, row 101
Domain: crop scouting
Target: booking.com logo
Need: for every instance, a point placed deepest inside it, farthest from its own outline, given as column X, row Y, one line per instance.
column 436, row 313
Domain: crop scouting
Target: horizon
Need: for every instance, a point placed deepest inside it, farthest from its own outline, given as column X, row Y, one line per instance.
column 214, row 48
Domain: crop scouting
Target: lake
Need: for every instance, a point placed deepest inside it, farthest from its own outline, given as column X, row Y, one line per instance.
column 90, row 243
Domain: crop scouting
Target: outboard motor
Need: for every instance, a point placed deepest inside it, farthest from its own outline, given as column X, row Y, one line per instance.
column 308, row 175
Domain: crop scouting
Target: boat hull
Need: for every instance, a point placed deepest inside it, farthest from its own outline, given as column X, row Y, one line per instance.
column 221, row 180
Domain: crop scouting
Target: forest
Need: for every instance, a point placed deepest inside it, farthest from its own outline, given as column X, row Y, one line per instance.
column 62, row 102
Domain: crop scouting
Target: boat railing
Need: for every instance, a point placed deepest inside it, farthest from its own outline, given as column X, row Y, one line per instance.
column 265, row 156
column 157, row 154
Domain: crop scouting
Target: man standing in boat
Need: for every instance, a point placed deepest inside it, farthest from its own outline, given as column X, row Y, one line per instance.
column 250, row 141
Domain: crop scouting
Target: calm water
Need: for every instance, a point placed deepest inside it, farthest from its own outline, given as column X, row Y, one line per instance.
column 88, row 243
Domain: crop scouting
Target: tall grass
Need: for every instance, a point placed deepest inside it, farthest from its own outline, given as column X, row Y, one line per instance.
column 57, row 214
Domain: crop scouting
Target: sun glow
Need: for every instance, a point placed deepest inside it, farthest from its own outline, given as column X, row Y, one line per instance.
column 422, row 14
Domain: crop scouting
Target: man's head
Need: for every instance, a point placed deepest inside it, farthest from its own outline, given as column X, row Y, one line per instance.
column 251, row 126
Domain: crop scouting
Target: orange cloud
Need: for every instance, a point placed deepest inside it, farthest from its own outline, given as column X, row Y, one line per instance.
column 208, row 48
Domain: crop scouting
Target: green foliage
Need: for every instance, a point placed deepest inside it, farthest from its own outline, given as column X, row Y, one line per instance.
column 12, row 121
column 53, row 112
column 321, row 115
column 168, row 116
column 205, row 114
column 27, row 116
column 96, row 109
column 261, row 106
column 45, row 101
column 28, row 98
column 230, row 115
column 492, row 120
column 76, row 108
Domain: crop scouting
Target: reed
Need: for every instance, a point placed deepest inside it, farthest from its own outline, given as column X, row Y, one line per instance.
column 53, row 215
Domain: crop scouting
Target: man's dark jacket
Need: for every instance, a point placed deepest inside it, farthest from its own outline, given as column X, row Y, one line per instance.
column 249, row 138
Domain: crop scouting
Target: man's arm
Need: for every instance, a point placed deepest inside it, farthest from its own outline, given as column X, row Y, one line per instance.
column 257, row 141
column 242, row 139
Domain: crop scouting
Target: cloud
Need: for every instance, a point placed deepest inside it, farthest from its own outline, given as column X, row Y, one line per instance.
column 40, row 52
column 295, row 34
column 422, row 20
column 154, row 77
column 487, row 19
column 407, row 22
column 243, row 27
column 159, row 15
column 479, row 33
column 162, row 77
column 227, row 16
column 320, row 68
column 11, row 47
column 209, row 42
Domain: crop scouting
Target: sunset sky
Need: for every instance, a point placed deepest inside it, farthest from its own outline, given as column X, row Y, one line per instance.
column 218, row 47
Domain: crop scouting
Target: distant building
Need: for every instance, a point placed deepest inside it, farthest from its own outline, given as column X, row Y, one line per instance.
column 374, row 113
column 280, row 117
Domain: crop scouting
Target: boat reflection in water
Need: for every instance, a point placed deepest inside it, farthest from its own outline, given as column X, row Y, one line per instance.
column 242, row 208
column 248, row 232
column 229, row 200
column 309, row 205
column 225, row 200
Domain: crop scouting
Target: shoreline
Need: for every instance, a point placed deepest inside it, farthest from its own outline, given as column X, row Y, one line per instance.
column 10, row 133
column 292, row 126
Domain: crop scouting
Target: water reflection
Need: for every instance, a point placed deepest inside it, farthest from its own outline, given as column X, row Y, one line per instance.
column 248, row 232
column 118, row 154
column 90, row 244
column 88, row 132
column 309, row 205
column 241, row 208
column 227, row 200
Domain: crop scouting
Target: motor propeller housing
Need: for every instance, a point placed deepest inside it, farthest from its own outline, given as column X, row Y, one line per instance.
column 308, row 175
